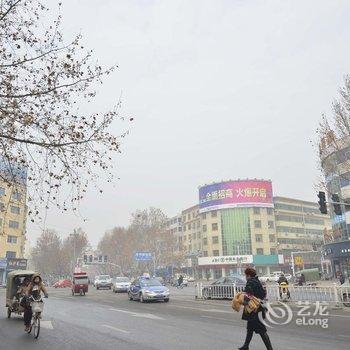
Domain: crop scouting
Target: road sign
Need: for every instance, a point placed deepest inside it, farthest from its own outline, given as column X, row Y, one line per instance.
column 143, row 256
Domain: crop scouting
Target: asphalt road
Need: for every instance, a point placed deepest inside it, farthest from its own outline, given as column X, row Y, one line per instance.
column 104, row 320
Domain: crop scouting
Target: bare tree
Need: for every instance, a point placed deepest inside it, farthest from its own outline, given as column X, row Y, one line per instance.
column 43, row 82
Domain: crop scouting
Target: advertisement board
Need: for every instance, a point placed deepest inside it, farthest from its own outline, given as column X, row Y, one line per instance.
column 16, row 264
column 225, row 260
column 234, row 194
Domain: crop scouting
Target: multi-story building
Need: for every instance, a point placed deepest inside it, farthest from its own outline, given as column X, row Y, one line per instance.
column 191, row 231
column 238, row 227
column 335, row 162
column 239, row 223
column 13, row 213
column 299, row 227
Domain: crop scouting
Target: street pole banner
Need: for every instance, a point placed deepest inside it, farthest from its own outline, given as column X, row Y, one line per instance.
column 143, row 256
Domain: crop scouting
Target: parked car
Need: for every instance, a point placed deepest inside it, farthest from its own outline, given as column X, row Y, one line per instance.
column 103, row 281
column 66, row 283
column 148, row 289
column 191, row 279
column 222, row 288
column 121, row 285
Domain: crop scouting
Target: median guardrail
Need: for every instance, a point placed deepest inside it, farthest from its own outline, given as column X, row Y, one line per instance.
column 336, row 295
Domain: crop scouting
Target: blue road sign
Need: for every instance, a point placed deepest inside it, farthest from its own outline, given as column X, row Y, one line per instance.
column 143, row 256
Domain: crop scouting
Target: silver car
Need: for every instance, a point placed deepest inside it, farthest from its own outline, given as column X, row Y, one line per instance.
column 121, row 285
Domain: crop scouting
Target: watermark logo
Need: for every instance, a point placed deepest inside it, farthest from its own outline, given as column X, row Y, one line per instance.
column 306, row 314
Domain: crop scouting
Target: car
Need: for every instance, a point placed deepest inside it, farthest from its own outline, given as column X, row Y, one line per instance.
column 222, row 287
column 268, row 278
column 148, row 289
column 66, row 283
column 121, row 285
column 191, row 279
column 103, row 281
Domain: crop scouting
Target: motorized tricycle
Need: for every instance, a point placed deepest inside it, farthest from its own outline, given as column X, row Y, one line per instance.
column 80, row 283
column 15, row 280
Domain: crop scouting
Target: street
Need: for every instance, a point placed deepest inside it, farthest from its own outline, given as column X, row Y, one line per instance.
column 104, row 320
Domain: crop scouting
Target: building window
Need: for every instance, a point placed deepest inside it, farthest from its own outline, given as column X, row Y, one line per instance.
column 272, row 238
column 14, row 224
column 215, row 253
column 260, row 251
column 184, row 219
column 257, row 223
column 189, row 216
column 205, row 241
column 204, row 216
column 15, row 210
column 180, row 229
column 204, row 228
column 10, row 254
column 271, row 224
column 205, row 253
column 184, row 228
column 189, row 236
column 273, row 251
column 2, row 191
column 256, row 211
column 214, row 214
column 198, row 235
column 12, row 239
column 215, row 239
column 269, row 211
column 16, row 196
column 258, row 238
column 193, row 225
column 189, row 226
column 198, row 224
column 214, row 226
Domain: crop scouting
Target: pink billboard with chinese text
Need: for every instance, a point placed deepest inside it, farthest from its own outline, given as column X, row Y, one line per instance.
column 234, row 194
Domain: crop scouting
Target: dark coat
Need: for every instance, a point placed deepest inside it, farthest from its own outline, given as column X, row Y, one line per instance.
column 254, row 287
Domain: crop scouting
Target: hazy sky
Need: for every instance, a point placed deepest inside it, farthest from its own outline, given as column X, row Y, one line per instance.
column 219, row 89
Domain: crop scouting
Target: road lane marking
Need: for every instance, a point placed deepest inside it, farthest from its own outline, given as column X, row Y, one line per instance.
column 46, row 324
column 344, row 335
column 139, row 314
column 116, row 329
column 200, row 309
column 216, row 318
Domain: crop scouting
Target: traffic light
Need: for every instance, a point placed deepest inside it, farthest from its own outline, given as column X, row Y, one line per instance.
column 322, row 202
column 336, row 205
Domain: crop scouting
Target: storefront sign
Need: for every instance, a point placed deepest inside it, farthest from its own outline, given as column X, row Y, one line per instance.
column 225, row 260
column 16, row 264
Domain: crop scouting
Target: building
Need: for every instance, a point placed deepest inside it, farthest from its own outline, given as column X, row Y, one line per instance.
column 237, row 220
column 13, row 213
column 300, row 227
column 239, row 224
column 335, row 162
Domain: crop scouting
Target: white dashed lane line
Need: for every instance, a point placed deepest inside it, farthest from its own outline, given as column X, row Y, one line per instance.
column 115, row 329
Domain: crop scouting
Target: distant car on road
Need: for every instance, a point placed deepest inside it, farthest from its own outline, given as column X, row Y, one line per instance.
column 103, row 282
column 121, row 285
column 66, row 283
column 222, row 288
column 191, row 279
column 148, row 289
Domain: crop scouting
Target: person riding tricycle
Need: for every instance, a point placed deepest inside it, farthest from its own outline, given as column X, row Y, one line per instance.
column 17, row 283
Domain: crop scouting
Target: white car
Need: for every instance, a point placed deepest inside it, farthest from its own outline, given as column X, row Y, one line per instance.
column 268, row 278
column 121, row 285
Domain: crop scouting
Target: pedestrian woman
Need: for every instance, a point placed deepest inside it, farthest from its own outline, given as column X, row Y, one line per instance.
column 254, row 288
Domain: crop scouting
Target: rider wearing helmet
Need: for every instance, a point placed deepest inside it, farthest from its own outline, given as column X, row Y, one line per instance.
column 283, row 280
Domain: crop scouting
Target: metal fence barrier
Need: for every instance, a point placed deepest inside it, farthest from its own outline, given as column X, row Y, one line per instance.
column 335, row 295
